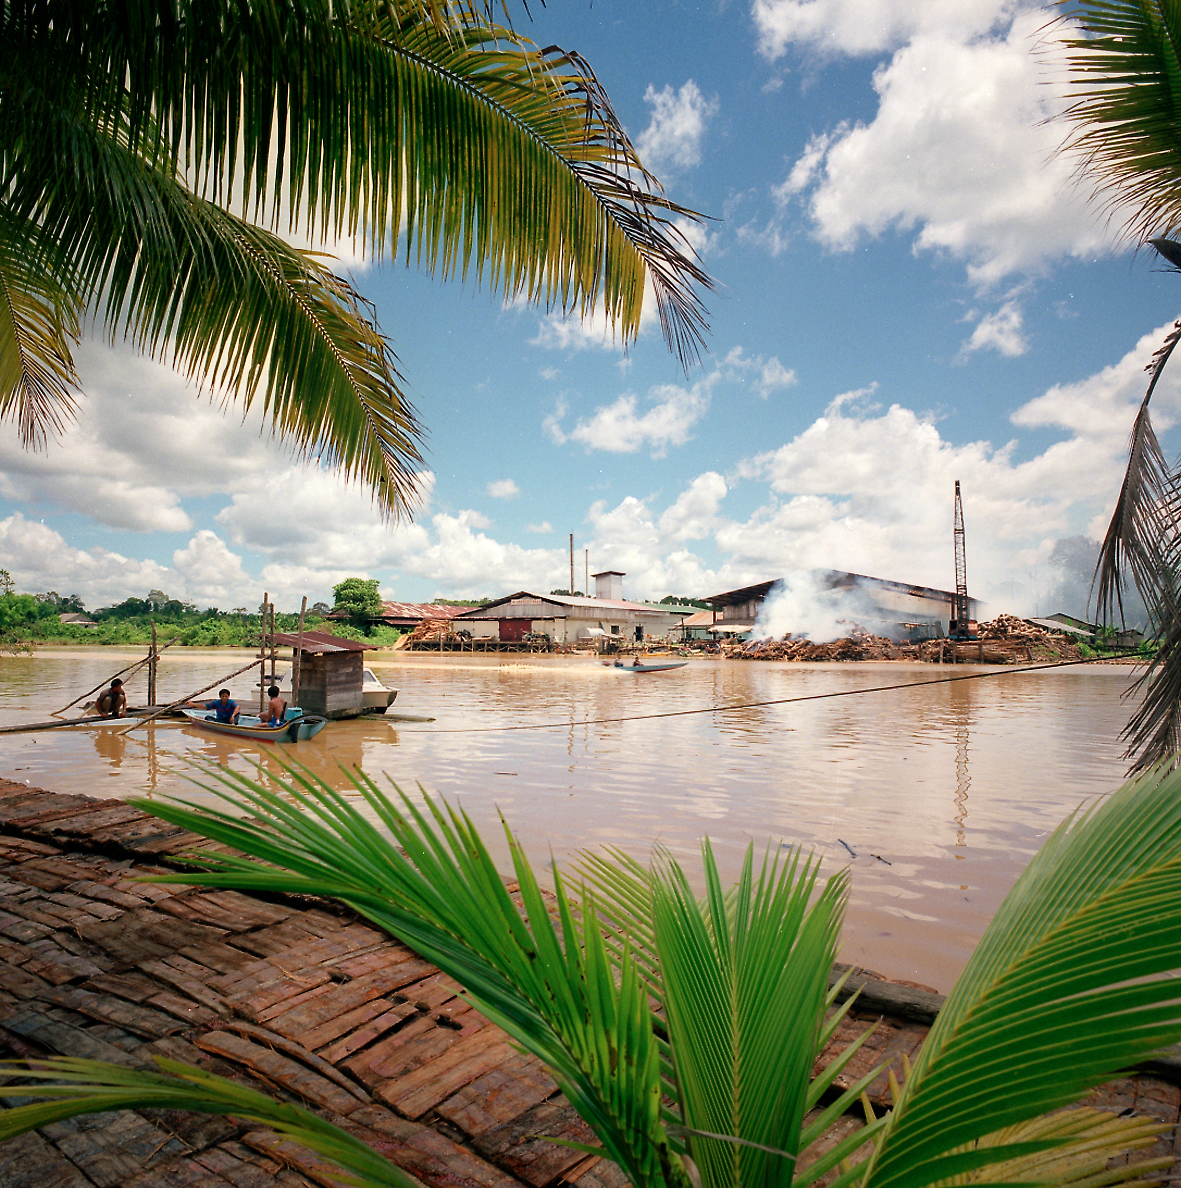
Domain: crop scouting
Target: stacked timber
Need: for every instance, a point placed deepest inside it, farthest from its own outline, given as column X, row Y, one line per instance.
column 1004, row 640
column 860, row 645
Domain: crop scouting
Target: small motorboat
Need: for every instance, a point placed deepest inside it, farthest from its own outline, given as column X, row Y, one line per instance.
column 376, row 697
column 296, row 726
column 638, row 667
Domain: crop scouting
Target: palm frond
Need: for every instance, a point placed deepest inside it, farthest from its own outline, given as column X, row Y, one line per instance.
column 376, row 118
column 77, row 1087
column 550, row 986
column 1069, row 986
column 1125, row 60
column 746, row 984
column 232, row 304
column 39, row 320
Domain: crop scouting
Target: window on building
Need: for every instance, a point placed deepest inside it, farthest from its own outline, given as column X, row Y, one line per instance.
column 614, row 628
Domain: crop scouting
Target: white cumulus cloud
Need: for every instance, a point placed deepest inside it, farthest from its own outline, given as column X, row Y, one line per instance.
column 673, row 138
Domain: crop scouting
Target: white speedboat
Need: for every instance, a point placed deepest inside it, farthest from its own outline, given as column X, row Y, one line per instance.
column 376, row 697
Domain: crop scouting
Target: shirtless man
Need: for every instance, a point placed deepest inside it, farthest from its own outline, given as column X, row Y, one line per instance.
column 276, row 708
column 112, row 702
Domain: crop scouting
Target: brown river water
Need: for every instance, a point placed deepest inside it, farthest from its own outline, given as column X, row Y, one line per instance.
column 934, row 796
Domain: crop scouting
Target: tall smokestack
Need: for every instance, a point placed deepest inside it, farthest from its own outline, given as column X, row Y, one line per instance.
column 571, row 562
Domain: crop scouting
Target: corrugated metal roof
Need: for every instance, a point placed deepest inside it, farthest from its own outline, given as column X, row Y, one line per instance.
column 319, row 642
column 420, row 610
column 489, row 611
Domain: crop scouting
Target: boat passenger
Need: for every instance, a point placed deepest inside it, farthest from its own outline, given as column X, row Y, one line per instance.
column 276, row 709
column 224, row 710
column 637, row 663
column 112, row 702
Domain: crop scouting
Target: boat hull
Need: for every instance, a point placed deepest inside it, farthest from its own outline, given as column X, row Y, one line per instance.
column 655, row 666
column 295, row 729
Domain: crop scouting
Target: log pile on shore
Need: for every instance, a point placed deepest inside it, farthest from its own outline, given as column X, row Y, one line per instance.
column 859, row 645
column 1004, row 640
column 429, row 629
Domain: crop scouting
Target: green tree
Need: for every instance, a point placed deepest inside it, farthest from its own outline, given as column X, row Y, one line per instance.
column 1124, row 58
column 150, row 151
column 358, row 598
column 685, row 1028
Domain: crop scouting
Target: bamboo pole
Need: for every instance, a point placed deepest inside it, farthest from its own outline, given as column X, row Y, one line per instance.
column 297, row 654
column 188, row 697
column 122, row 672
column 152, row 667
column 274, row 670
column 262, row 654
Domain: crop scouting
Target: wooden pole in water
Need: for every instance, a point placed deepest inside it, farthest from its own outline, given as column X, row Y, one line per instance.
column 297, row 654
column 131, row 668
column 274, row 657
column 152, row 667
column 188, row 697
column 262, row 654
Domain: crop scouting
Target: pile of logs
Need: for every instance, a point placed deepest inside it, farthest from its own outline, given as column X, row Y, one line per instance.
column 861, row 645
column 1004, row 640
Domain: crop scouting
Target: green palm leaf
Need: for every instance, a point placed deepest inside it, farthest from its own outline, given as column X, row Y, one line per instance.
column 551, row 986
column 92, row 1087
column 1125, row 61
column 1067, row 988
column 125, row 130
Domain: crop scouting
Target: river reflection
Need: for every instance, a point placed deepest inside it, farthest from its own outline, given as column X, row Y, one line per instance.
column 935, row 795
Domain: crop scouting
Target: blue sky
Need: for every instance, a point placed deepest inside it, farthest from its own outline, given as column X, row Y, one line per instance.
column 913, row 287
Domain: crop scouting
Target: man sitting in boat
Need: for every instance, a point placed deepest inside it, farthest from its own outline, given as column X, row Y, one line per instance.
column 112, row 702
column 276, row 710
column 224, row 709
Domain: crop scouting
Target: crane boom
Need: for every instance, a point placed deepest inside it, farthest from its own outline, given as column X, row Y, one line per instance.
column 961, row 625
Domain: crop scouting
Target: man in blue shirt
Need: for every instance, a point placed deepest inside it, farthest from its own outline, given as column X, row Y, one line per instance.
column 225, row 709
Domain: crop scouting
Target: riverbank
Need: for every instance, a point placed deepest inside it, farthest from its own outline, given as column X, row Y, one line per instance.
column 304, row 1001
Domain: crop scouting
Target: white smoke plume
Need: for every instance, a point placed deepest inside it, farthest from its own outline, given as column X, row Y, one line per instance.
column 806, row 605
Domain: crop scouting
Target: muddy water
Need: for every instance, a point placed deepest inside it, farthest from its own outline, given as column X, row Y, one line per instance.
column 935, row 796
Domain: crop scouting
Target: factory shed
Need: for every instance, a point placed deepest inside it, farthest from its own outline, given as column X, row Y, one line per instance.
column 900, row 610
column 566, row 619
column 331, row 672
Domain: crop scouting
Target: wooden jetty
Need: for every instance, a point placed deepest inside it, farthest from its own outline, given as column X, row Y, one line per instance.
column 299, row 999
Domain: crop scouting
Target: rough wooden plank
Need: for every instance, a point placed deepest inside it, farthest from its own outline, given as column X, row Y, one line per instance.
column 417, row 1040
column 185, row 1009
column 534, row 1160
column 243, row 1168
column 52, row 873
column 135, row 987
column 335, row 999
column 279, row 1070
column 372, row 959
column 360, row 1037
column 347, row 1023
column 56, row 965
column 110, row 1148
column 424, row 1152
column 29, row 1161
column 424, row 1087
column 19, row 982
column 76, row 903
column 432, row 993
column 594, row 1172
column 92, row 889
column 139, row 1020
column 517, row 1084
column 176, row 972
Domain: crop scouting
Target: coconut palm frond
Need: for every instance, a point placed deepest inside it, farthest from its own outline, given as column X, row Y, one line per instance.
column 76, row 1087
column 1125, row 62
column 746, row 983
column 39, row 323
column 1069, row 987
column 550, row 984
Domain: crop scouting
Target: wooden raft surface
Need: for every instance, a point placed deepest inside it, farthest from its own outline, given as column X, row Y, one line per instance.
column 308, row 1003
